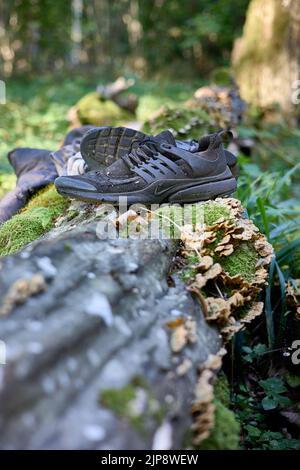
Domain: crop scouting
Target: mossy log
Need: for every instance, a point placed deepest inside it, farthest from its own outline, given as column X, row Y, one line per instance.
column 33, row 221
column 89, row 360
column 92, row 109
column 104, row 352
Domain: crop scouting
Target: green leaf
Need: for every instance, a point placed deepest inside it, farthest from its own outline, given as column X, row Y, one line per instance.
column 260, row 349
column 269, row 404
column 283, row 401
column 253, row 431
column 273, row 385
column 292, row 380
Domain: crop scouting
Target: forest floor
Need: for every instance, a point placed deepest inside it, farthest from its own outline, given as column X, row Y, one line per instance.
column 264, row 383
column 36, row 111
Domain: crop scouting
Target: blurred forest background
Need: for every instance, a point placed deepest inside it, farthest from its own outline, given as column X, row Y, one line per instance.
column 54, row 53
column 147, row 37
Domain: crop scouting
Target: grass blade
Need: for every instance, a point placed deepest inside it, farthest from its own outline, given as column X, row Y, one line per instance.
column 264, row 216
column 268, row 307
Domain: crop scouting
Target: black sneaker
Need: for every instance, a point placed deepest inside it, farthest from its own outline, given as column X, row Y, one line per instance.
column 154, row 172
column 101, row 146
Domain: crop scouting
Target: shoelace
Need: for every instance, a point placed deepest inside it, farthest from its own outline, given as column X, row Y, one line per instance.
column 143, row 152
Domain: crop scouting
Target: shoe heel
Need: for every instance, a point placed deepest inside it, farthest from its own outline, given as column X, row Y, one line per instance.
column 204, row 192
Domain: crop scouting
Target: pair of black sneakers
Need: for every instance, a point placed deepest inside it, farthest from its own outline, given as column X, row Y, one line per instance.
column 152, row 170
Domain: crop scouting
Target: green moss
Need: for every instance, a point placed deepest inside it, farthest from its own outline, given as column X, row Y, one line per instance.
column 96, row 111
column 222, row 76
column 68, row 248
column 33, row 221
column 213, row 211
column 226, row 432
column 292, row 380
column 121, row 402
column 241, row 311
column 19, row 231
column 244, row 258
column 187, row 440
column 189, row 272
column 49, row 198
column 139, row 381
column 117, row 400
column 221, row 389
column 7, row 183
column 170, row 220
column 71, row 215
column 242, row 261
column 185, row 123
column 173, row 217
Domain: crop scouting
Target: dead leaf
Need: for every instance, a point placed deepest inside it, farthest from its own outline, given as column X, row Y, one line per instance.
column 227, row 250
column 123, row 219
column 191, row 328
column 236, row 300
column 179, row 338
column 212, row 273
column 293, row 296
column 20, row 291
column 255, row 311
column 175, row 323
column 218, row 309
column 205, row 263
column 184, row 367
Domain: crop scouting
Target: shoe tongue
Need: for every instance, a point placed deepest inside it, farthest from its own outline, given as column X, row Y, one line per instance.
column 205, row 142
column 116, row 170
column 213, row 140
column 165, row 136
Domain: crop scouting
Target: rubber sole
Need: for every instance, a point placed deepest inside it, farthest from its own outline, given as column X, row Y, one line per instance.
column 101, row 146
column 192, row 193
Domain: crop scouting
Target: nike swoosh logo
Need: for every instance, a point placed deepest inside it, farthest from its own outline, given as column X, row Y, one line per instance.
column 158, row 191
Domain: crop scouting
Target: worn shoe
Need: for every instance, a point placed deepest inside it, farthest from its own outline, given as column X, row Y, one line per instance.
column 101, row 146
column 154, row 172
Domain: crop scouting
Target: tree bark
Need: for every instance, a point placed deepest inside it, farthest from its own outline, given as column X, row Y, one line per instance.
column 76, row 31
column 96, row 322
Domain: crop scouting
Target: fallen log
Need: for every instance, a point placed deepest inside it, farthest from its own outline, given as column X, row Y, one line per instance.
column 89, row 358
column 102, row 351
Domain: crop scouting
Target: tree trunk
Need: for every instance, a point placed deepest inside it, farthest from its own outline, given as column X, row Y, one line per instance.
column 76, row 31
column 267, row 57
column 89, row 362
